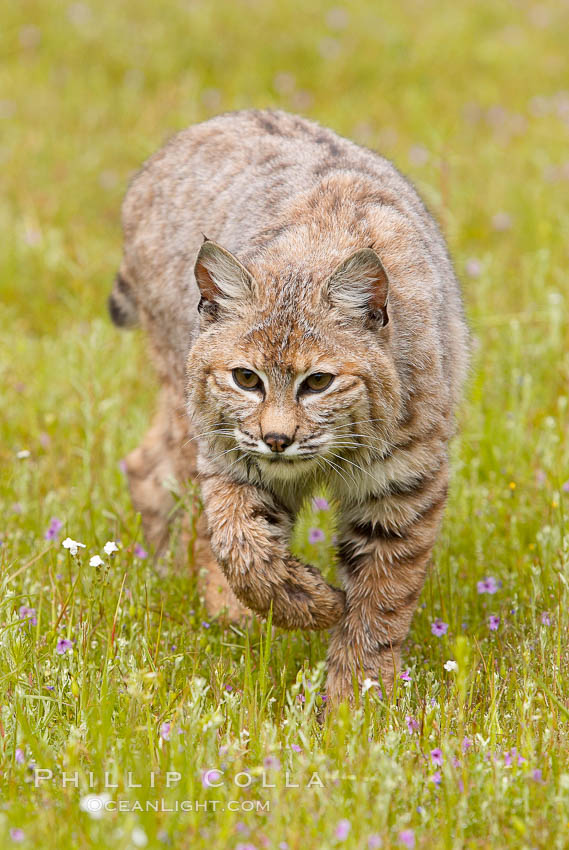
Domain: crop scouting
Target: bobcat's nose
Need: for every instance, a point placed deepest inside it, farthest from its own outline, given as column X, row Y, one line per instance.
column 277, row 442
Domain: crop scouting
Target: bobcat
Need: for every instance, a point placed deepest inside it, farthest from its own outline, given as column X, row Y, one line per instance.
column 307, row 328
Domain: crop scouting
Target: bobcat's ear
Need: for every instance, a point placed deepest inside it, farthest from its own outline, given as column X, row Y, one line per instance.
column 360, row 286
column 220, row 276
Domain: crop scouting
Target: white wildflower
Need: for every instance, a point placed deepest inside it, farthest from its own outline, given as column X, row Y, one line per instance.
column 72, row 545
column 23, row 454
column 110, row 547
column 139, row 838
column 94, row 804
column 451, row 666
column 96, row 561
column 367, row 684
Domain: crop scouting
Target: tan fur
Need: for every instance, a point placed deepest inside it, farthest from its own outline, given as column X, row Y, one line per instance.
column 318, row 257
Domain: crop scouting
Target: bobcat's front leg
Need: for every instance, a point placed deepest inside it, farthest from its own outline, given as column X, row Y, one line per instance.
column 249, row 536
column 385, row 547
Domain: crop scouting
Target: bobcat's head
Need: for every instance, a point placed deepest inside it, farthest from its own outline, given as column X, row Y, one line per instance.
column 292, row 372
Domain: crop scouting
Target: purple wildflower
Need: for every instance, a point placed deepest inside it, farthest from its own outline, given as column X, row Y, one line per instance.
column 507, row 759
column 247, row 846
column 439, row 628
column 374, row 842
column 64, row 645
column 405, row 676
column 122, row 465
column 487, row 585
column 565, row 487
column 437, row 756
column 407, row 837
column 545, row 619
column 412, row 724
column 19, row 756
column 436, row 778
column 17, row 834
column 537, row 775
column 343, row 829
column 205, row 624
column 296, row 748
column 493, row 622
column 140, row 551
column 53, row 528
column 210, row 777
column 316, row 535
column 272, row 763
column 320, row 504
column 165, row 731
column 473, row 267
column 28, row 614
column 466, row 744
column 229, row 688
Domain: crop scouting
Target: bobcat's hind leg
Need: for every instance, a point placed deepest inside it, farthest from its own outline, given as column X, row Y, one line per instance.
column 167, row 453
column 148, row 468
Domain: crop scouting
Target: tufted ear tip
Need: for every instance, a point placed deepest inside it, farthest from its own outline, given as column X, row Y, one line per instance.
column 360, row 285
column 219, row 274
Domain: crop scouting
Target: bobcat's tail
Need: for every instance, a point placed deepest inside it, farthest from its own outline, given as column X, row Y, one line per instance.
column 123, row 308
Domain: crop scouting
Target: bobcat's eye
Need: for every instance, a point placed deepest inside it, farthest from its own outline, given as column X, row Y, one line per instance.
column 247, row 379
column 317, row 382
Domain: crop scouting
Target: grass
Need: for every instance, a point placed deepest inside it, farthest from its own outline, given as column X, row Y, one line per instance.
column 471, row 100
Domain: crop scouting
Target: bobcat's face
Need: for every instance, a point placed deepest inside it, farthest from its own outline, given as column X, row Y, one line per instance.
column 288, row 415
column 291, row 386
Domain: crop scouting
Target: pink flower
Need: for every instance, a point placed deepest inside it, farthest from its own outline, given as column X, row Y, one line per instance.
column 487, row 585
column 405, row 676
column 17, row 835
column 537, row 775
column 565, row 487
column 466, row 744
column 374, row 842
column 272, row 763
column 296, row 748
column 545, row 619
column 140, row 551
column 436, row 778
column 316, row 535
column 437, row 756
column 165, row 731
column 439, row 628
column 343, row 829
column 493, row 622
column 320, row 504
column 407, row 837
column 19, row 756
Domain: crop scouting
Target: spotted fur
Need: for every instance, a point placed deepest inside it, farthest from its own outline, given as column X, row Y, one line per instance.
column 261, row 241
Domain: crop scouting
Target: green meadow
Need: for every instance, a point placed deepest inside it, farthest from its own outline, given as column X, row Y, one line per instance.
column 127, row 717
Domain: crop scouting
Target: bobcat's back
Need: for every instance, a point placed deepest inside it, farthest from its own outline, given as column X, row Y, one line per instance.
column 273, row 185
